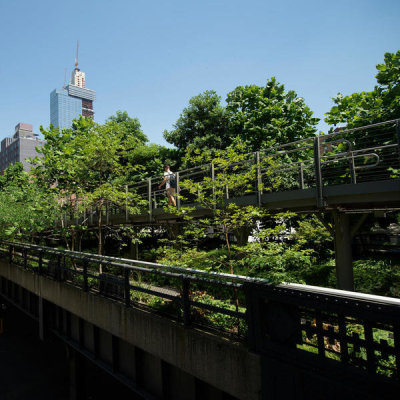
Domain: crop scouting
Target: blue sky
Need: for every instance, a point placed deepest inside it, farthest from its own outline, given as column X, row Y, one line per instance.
column 150, row 57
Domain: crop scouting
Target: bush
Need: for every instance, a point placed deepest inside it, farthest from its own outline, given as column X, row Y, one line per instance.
column 381, row 277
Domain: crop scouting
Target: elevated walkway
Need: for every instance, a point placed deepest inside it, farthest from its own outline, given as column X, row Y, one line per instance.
column 299, row 340
column 347, row 172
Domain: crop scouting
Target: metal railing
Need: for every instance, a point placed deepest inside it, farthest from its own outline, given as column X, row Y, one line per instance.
column 364, row 154
column 317, row 325
column 195, row 297
column 339, row 328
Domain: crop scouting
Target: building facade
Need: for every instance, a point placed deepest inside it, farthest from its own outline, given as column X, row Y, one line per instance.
column 21, row 146
column 71, row 101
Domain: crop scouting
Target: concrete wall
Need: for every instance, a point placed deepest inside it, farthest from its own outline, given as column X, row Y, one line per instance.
column 154, row 342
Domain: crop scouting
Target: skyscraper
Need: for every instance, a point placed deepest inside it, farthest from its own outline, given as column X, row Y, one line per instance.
column 72, row 100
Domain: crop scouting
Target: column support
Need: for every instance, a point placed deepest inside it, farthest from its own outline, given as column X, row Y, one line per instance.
column 343, row 251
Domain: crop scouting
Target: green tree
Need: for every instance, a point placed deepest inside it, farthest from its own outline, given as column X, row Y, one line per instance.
column 56, row 171
column 380, row 104
column 131, row 126
column 258, row 116
column 234, row 172
column 150, row 160
column 262, row 117
column 27, row 210
column 201, row 125
column 88, row 166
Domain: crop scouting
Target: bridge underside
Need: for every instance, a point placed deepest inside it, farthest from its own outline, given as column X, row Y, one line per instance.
column 360, row 197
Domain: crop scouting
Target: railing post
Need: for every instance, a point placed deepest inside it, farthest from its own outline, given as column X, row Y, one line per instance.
column 149, row 199
column 258, row 177
column 85, row 276
column 317, row 171
column 301, row 176
column 213, row 186
column 126, row 204
column 178, row 190
column 186, row 300
column 352, row 169
column 127, row 289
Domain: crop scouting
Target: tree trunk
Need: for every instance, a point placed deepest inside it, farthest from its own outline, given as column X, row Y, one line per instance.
column 235, row 293
column 99, row 234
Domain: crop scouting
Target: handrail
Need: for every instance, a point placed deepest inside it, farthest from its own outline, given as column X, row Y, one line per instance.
column 127, row 262
column 239, row 278
column 290, row 319
column 313, row 153
column 323, row 139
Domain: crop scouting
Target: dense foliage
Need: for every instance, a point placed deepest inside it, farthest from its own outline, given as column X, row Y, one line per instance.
column 88, row 166
column 257, row 116
column 26, row 207
column 267, row 116
column 380, row 104
column 202, row 125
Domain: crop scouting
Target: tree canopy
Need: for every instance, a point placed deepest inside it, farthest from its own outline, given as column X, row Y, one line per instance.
column 258, row 116
column 380, row 104
column 131, row 126
column 203, row 124
column 89, row 165
column 266, row 116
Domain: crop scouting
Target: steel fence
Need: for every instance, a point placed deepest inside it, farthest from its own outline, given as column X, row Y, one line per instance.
column 355, row 330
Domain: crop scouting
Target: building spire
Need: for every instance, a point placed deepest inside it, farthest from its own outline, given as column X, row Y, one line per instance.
column 77, row 54
column 77, row 77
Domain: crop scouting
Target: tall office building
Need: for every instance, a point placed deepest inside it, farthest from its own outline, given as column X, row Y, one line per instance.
column 20, row 147
column 72, row 100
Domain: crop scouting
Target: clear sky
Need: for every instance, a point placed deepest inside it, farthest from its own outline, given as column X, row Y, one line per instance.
column 149, row 57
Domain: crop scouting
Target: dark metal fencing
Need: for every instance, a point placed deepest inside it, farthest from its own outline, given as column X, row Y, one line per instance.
column 334, row 328
column 323, row 328
column 215, row 301
column 366, row 154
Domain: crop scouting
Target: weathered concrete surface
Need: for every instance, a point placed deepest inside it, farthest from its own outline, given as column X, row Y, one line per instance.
column 222, row 363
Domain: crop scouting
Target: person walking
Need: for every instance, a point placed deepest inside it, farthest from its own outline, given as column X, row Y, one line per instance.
column 170, row 185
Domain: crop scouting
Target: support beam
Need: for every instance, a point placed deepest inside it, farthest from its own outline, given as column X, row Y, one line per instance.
column 343, row 253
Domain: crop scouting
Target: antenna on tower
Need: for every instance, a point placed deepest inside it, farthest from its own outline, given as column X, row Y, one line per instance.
column 65, row 78
column 77, row 54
